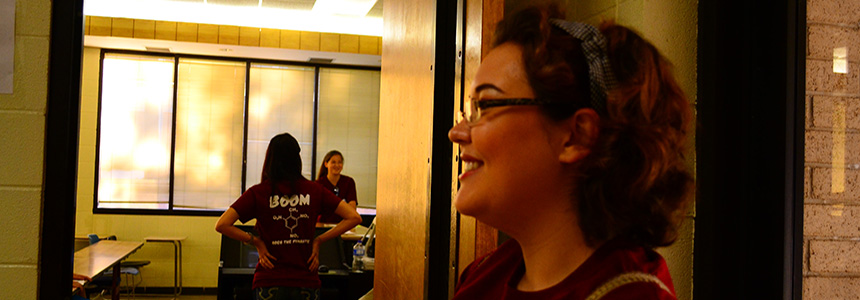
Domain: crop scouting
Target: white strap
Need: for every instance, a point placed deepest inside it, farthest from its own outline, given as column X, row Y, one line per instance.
column 625, row 279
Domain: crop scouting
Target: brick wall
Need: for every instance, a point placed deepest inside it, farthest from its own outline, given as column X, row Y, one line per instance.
column 831, row 265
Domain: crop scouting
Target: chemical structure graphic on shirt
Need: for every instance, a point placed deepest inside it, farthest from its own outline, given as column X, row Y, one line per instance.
column 291, row 222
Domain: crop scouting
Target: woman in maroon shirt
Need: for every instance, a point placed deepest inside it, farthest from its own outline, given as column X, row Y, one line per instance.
column 286, row 206
column 343, row 186
column 572, row 144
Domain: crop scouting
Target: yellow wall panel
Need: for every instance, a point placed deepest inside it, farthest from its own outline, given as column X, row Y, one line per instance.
column 186, row 32
column 270, row 38
column 329, row 42
column 368, row 45
column 122, row 27
column 310, row 41
column 228, row 34
column 291, row 39
column 249, row 36
column 207, row 33
column 100, row 26
column 348, row 43
column 232, row 35
column 144, row 29
column 165, row 30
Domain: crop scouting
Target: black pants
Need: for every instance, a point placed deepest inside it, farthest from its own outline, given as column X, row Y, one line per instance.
column 286, row 293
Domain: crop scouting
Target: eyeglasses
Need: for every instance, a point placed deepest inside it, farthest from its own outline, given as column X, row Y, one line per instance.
column 473, row 115
column 336, row 191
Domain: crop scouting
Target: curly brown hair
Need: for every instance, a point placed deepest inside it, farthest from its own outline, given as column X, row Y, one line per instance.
column 634, row 184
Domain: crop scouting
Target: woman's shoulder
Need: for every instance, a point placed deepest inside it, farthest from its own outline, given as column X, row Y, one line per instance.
column 495, row 272
column 627, row 270
column 634, row 285
column 501, row 262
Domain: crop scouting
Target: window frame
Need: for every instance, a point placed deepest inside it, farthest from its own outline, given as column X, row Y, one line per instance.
column 171, row 210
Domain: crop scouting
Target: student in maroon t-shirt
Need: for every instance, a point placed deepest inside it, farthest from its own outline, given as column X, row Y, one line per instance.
column 572, row 144
column 286, row 206
column 343, row 186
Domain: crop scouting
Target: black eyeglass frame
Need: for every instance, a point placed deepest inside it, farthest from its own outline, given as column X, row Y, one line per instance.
column 477, row 106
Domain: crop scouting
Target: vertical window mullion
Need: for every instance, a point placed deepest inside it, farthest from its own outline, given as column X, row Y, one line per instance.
column 245, row 132
column 173, row 129
column 316, row 121
column 98, row 131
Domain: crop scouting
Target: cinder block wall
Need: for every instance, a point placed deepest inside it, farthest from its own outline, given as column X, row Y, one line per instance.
column 22, row 144
column 831, row 265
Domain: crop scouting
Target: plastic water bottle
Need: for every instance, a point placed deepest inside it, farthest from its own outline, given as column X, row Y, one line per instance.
column 358, row 256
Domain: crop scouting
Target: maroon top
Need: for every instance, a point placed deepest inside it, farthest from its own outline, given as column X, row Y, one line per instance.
column 345, row 190
column 287, row 225
column 495, row 276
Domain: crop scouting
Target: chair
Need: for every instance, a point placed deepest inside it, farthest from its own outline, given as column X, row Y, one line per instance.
column 129, row 268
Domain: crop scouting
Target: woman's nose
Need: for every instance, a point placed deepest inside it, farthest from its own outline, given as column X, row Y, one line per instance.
column 460, row 133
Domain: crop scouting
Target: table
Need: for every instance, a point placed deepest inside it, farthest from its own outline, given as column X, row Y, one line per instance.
column 96, row 258
column 177, row 258
column 353, row 234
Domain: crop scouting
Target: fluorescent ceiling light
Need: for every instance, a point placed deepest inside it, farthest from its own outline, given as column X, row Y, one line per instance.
column 358, row 8
column 179, row 11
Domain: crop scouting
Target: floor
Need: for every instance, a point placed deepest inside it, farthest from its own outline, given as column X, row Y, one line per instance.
column 168, row 297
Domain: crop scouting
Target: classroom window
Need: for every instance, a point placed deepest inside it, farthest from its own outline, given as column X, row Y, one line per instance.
column 210, row 106
column 190, row 134
column 281, row 100
column 349, row 122
column 135, row 136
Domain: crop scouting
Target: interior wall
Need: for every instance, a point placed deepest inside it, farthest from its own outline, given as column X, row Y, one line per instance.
column 672, row 27
column 22, row 132
column 405, row 122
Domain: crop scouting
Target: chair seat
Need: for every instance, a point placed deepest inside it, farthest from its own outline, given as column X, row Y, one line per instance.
column 134, row 263
column 124, row 270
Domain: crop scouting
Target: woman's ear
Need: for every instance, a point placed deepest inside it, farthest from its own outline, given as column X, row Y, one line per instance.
column 582, row 131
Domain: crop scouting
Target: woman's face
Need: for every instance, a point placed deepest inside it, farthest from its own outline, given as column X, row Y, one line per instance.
column 334, row 164
column 508, row 157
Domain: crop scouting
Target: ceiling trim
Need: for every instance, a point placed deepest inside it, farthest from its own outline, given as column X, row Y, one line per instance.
column 221, row 50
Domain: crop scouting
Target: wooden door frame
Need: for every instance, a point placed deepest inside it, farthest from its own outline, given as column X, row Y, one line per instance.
column 56, row 244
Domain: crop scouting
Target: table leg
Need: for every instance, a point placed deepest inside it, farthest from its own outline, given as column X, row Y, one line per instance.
column 179, row 243
column 114, row 287
column 175, row 263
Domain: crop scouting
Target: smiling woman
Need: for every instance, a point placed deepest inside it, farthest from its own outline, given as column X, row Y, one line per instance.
column 595, row 177
column 331, row 178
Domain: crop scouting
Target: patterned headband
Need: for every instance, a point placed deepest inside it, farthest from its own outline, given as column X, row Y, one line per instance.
column 594, row 48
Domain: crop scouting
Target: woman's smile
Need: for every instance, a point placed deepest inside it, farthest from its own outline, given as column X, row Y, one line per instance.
column 470, row 164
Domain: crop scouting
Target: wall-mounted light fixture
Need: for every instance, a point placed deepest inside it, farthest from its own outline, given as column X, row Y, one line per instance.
column 356, row 8
column 840, row 60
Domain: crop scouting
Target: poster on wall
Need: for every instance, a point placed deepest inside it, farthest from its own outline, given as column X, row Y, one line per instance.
column 7, row 45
